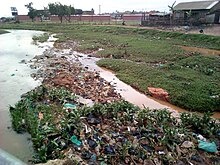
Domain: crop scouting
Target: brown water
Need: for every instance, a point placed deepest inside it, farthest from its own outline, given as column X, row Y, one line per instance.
column 201, row 50
column 14, row 81
column 127, row 92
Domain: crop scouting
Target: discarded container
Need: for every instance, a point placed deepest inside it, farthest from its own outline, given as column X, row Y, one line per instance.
column 209, row 147
column 76, row 141
column 70, row 106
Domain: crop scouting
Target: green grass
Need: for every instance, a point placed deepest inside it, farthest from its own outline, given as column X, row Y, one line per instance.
column 41, row 38
column 51, row 134
column 190, row 88
column 3, row 31
column 145, row 58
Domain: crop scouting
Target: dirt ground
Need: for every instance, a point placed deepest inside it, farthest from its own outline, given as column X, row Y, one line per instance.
column 209, row 30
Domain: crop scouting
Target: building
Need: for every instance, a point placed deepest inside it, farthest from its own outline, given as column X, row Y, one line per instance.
column 89, row 12
column 195, row 13
column 132, row 17
column 155, row 18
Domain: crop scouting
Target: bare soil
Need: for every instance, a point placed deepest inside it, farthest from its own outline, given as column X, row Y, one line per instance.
column 209, row 30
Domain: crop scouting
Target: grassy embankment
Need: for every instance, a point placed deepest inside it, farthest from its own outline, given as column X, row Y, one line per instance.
column 41, row 38
column 3, row 31
column 41, row 113
column 137, row 135
column 145, row 58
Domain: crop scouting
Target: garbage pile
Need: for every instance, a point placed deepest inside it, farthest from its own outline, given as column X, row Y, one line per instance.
column 114, row 133
column 59, row 72
column 66, row 45
column 84, row 83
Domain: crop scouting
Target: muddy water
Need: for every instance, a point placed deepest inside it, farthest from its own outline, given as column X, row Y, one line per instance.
column 127, row 92
column 14, row 81
column 201, row 50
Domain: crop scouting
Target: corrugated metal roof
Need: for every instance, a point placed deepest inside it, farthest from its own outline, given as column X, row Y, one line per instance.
column 198, row 5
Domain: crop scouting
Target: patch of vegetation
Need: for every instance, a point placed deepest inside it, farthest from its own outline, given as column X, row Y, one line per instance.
column 191, row 87
column 3, row 31
column 150, row 58
column 38, row 113
column 89, row 33
column 41, row 38
column 113, row 132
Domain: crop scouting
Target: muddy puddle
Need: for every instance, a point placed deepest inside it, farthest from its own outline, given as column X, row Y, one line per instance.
column 16, row 49
column 127, row 92
column 203, row 51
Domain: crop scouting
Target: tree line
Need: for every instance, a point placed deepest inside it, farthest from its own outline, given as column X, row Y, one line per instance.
column 62, row 11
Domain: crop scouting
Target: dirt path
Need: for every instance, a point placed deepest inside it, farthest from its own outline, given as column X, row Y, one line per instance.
column 209, row 30
column 213, row 30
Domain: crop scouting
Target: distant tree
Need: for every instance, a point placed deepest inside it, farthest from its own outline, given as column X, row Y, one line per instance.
column 78, row 12
column 172, row 12
column 69, row 10
column 32, row 13
column 43, row 13
column 62, row 11
column 189, row 17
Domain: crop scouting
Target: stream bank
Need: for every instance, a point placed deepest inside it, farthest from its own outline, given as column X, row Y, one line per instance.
column 108, row 133
column 126, row 91
column 59, row 61
column 16, row 49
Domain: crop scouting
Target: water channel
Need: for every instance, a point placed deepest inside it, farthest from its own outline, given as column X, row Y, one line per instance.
column 14, row 81
column 127, row 92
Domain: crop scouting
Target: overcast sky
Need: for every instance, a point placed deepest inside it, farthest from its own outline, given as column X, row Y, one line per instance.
column 106, row 6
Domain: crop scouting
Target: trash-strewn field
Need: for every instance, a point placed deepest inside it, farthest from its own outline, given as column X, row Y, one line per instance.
column 114, row 131
column 150, row 58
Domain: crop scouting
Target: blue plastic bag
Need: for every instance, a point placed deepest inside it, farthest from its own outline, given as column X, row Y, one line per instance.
column 209, row 147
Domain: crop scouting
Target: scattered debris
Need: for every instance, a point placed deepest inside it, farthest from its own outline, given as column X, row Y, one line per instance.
column 69, row 106
column 76, row 141
column 209, row 147
column 158, row 93
column 113, row 132
column 187, row 144
column 40, row 116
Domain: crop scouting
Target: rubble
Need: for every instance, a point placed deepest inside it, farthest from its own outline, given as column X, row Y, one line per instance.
column 159, row 93
column 57, row 71
column 113, row 132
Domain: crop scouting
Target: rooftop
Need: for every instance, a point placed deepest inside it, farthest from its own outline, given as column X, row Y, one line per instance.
column 198, row 5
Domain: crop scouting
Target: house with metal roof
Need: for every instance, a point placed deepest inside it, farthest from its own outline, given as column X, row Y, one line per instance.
column 197, row 12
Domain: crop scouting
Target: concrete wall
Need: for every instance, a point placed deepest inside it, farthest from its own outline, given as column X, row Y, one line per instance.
column 26, row 18
column 132, row 17
column 210, row 18
column 85, row 18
